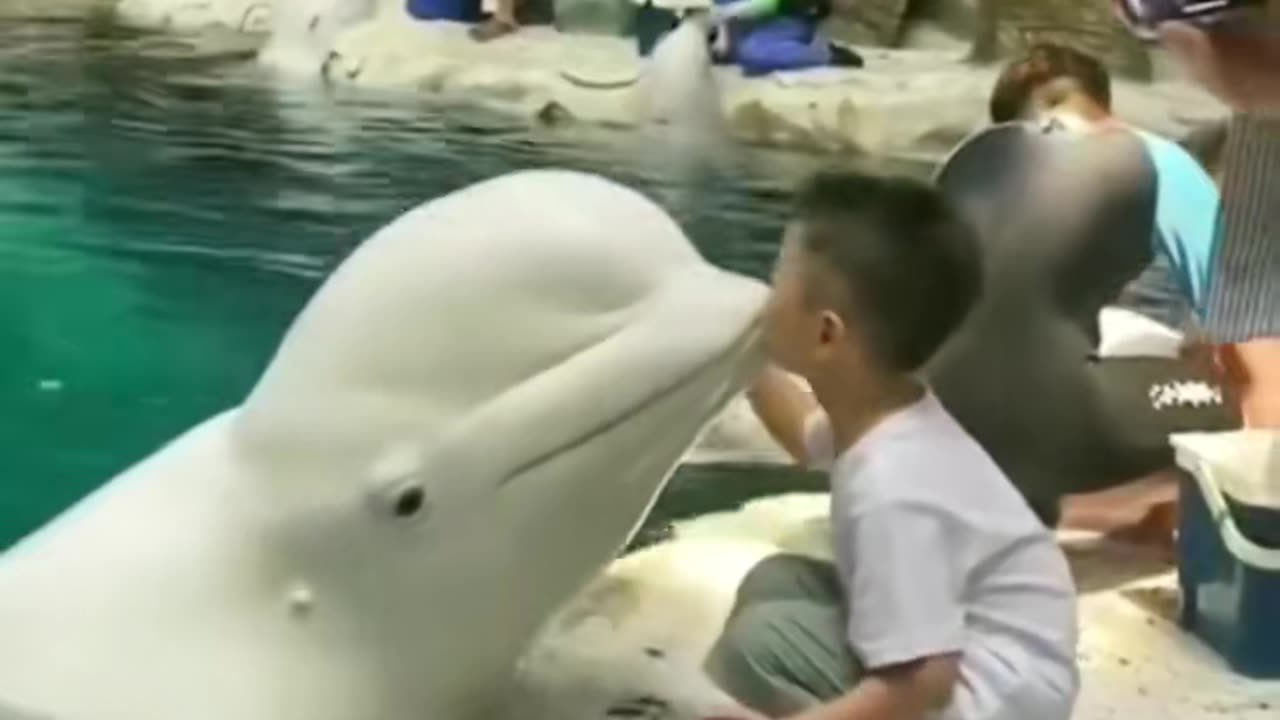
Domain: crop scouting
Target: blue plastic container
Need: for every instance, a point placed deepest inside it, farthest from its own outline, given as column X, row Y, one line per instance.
column 651, row 25
column 457, row 10
column 1229, row 569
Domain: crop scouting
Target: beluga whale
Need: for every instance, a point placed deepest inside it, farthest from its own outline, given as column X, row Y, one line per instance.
column 677, row 84
column 302, row 33
column 463, row 426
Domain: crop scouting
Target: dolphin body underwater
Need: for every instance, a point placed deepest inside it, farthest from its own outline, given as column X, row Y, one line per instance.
column 465, row 424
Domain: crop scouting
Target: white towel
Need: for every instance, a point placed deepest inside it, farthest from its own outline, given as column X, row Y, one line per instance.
column 818, row 76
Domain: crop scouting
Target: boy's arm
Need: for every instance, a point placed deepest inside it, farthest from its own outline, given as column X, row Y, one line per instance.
column 783, row 407
column 906, row 692
column 906, row 619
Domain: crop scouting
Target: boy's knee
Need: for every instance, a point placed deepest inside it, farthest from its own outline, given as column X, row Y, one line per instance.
column 758, row 636
column 782, row 657
column 749, row 661
column 785, row 577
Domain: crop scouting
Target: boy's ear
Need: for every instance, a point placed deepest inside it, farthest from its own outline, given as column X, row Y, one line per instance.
column 831, row 328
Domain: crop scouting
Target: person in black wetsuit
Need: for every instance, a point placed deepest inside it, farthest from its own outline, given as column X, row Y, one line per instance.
column 764, row 36
column 1065, row 222
column 1059, row 81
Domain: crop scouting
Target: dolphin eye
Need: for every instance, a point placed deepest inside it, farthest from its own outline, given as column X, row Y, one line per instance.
column 409, row 501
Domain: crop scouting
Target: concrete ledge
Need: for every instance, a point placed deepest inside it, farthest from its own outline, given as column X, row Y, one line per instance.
column 907, row 102
column 904, row 102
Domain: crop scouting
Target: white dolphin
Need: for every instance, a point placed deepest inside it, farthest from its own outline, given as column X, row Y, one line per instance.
column 677, row 83
column 303, row 32
column 465, row 424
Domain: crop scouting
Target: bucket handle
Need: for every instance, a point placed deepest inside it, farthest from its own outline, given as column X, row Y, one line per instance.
column 1246, row 550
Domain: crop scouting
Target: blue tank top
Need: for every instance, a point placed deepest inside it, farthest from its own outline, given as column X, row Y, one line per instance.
column 1186, row 232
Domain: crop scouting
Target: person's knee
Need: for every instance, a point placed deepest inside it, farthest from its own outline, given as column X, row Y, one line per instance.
column 787, row 576
column 751, row 653
column 783, row 656
column 757, row 635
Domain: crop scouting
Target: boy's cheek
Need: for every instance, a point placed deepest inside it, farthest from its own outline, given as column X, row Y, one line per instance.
column 770, row 335
column 780, row 346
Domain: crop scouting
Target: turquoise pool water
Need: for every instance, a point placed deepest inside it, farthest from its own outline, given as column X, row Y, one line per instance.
column 164, row 212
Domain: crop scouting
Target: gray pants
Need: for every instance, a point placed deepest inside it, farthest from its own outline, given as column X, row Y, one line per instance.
column 783, row 648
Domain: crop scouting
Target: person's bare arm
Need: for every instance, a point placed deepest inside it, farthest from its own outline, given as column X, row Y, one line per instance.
column 1240, row 65
column 783, row 407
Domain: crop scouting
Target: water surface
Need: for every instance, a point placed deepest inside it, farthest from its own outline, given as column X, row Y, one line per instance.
column 166, row 211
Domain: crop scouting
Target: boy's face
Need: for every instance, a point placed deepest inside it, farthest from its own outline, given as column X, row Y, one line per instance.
column 801, row 332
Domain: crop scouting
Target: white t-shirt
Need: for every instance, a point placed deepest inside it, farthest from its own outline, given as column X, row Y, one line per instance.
column 939, row 554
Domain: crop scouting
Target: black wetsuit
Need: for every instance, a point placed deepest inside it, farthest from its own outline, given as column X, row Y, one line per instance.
column 1065, row 224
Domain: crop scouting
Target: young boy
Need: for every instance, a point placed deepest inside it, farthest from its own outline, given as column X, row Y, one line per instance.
column 948, row 598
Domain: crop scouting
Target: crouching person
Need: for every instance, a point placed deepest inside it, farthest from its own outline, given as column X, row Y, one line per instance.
column 948, row 598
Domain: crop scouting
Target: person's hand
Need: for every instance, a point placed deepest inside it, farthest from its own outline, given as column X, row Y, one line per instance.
column 1239, row 64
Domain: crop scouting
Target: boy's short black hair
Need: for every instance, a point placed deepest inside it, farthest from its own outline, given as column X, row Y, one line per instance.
column 909, row 262
column 1206, row 144
column 1042, row 64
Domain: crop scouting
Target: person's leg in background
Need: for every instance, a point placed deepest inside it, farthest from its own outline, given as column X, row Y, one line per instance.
column 783, row 648
column 1253, row 370
column 1146, row 400
column 781, row 44
column 788, row 43
column 501, row 21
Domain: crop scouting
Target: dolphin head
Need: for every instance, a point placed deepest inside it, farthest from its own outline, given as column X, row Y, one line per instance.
column 474, row 413
column 678, row 87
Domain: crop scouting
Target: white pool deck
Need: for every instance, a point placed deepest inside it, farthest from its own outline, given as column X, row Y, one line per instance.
column 1136, row 663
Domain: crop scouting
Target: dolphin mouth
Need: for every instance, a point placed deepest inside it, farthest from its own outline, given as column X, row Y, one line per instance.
column 749, row 337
